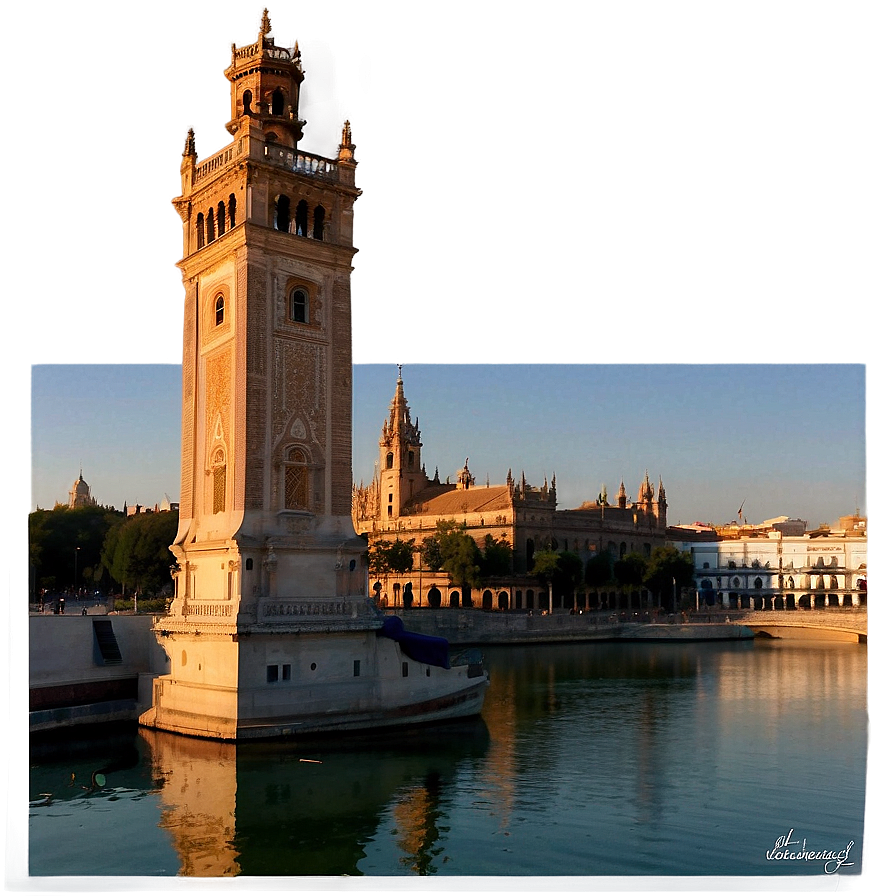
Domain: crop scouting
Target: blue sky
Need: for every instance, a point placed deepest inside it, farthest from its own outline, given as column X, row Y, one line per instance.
column 779, row 439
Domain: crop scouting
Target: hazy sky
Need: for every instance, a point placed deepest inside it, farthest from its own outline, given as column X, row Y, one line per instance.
column 719, row 436
column 631, row 183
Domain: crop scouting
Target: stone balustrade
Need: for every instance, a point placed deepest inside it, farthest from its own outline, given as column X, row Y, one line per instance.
column 297, row 162
column 301, row 162
column 210, row 166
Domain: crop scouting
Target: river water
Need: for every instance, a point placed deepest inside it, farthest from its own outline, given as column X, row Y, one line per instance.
column 717, row 759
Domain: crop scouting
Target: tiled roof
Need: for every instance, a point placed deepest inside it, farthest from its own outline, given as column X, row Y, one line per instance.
column 442, row 501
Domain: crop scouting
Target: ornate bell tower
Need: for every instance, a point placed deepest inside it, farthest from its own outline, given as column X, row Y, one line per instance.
column 265, row 540
column 401, row 473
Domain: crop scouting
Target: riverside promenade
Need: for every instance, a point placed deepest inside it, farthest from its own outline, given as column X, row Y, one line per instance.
column 468, row 626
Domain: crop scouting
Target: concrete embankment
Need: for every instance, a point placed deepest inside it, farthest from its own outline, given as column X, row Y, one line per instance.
column 462, row 627
column 89, row 669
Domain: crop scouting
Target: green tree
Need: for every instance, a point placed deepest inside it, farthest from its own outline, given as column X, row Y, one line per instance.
column 375, row 557
column 431, row 553
column 137, row 554
column 65, row 546
column 629, row 571
column 400, row 555
column 570, row 573
column 668, row 570
column 599, row 570
column 453, row 551
column 563, row 571
column 497, row 557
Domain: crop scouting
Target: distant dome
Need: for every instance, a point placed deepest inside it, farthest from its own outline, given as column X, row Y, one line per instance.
column 79, row 496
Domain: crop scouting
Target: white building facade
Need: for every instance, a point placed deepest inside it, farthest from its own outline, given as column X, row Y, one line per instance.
column 780, row 572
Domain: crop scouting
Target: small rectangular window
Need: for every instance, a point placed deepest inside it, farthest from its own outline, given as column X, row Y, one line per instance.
column 357, row 669
column 272, row 673
column 404, row 670
column 287, row 672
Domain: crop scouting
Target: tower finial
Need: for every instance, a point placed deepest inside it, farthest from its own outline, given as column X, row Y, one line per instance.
column 399, row 372
column 346, row 147
column 190, row 144
column 265, row 23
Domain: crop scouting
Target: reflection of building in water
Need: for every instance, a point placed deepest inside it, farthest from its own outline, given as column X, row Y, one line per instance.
column 288, row 808
column 417, row 815
column 198, row 801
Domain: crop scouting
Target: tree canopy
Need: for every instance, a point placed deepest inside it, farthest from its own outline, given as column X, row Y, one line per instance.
column 668, row 569
column 629, row 570
column 497, row 557
column 599, row 570
column 564, row 570
column 384, row 557
column 65, row 546
column 136, row 552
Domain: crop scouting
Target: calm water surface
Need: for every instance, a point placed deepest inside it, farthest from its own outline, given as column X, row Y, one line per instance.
column 598, row 759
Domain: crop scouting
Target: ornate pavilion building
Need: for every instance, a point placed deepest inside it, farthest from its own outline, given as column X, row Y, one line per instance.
column 403, row 502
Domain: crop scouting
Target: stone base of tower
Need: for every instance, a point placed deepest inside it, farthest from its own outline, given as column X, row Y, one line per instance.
column 323, row 675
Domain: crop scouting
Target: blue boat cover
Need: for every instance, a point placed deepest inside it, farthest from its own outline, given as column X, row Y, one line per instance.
column 423, row 648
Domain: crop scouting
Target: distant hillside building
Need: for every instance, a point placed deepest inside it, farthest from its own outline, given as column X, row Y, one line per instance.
column 403, row 502
column 79, row 494
column 158, row 507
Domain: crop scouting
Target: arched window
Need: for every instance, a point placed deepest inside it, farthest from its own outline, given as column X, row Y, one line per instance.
column 411, row 459
column 210, row 226
column 757, row 582
column 219, row 480
column 622, row 550
column 200, row 230
column 222, row 220
column 231, row 210
column 298, row 306
column 295, row 485
column 219, row 310
column 277, row 102
column 319, row 223
column 390, row 460
column 281, row 216
column 247, row 102
column 302, row 218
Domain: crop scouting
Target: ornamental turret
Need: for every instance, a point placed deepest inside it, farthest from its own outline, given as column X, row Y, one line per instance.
column 401, row 471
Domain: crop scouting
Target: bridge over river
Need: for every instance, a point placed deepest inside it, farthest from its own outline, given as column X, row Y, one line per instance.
column 847, row 624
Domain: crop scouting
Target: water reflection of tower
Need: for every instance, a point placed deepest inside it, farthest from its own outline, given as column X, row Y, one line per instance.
column 197, row 795
column 417, row 816
column 498, row 773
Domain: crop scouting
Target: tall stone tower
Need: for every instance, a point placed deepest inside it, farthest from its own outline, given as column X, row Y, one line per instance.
column 266, row 451
column 265, row 544
column 401, row 473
